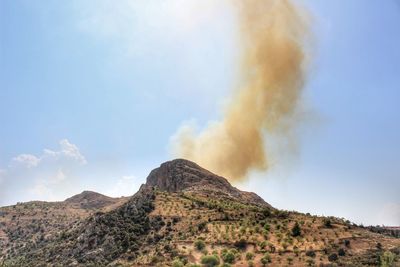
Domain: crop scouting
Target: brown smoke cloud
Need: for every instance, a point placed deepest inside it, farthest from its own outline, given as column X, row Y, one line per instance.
column 272, row 39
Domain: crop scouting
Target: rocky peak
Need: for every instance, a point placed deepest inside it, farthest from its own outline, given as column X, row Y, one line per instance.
column 180, row 174
column 183, row 175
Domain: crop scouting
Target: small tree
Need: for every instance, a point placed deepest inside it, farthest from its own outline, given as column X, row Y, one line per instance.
column 210, row 260
column 177, row 263
column 265, row 259
column 228, row 257
column 296, row 230
column 249, row 256
column 327, row 223
column 199, row 244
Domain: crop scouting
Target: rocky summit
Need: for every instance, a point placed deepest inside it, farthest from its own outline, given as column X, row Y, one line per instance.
column 184, row 215
column 182, row 175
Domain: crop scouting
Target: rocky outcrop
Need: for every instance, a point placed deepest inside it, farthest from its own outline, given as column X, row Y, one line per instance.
column 182, row 175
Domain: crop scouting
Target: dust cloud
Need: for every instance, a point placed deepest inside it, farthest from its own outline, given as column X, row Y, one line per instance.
column 272, row 71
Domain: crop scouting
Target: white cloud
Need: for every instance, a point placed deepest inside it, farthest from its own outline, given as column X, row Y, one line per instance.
column 27, row 160
column 47, row 176
column 68, row 150
column 125, row 186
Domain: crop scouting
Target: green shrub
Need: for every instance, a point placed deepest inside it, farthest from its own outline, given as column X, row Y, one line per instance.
column 265, row 259
column 386, row 259
column 228, row 257
column 296, row 230
column 249, row 256
column 202, row 226
column 210, row 260
column 310, row 253
column 333, row 257
column 327, row 223
column 199, row 244
column 310, row 262
column 177, row 263
column 234, row 251
column 263, row 244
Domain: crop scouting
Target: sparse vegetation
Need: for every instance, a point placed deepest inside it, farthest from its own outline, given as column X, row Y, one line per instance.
column 387, row 259
column 185, row 229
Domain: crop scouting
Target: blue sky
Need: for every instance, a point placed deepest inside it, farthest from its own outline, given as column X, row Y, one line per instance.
column 91, row 93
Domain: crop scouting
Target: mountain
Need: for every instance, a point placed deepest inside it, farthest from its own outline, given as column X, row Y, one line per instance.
column 184, row 214
column 90, row 200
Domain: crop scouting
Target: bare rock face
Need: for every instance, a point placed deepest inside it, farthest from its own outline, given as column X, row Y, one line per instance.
column 182, row 175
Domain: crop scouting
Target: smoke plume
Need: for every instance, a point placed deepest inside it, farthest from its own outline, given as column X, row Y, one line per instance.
column 272, row 35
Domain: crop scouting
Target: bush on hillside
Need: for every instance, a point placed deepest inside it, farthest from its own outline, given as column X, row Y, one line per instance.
column 296, row 230
column 228, row 257
column 199, row 244
column 210, row 260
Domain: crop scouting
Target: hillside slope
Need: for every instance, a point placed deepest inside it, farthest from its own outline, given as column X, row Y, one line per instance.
column 185, row 214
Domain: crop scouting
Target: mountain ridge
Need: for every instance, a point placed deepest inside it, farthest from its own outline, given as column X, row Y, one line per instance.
column 183, row 215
